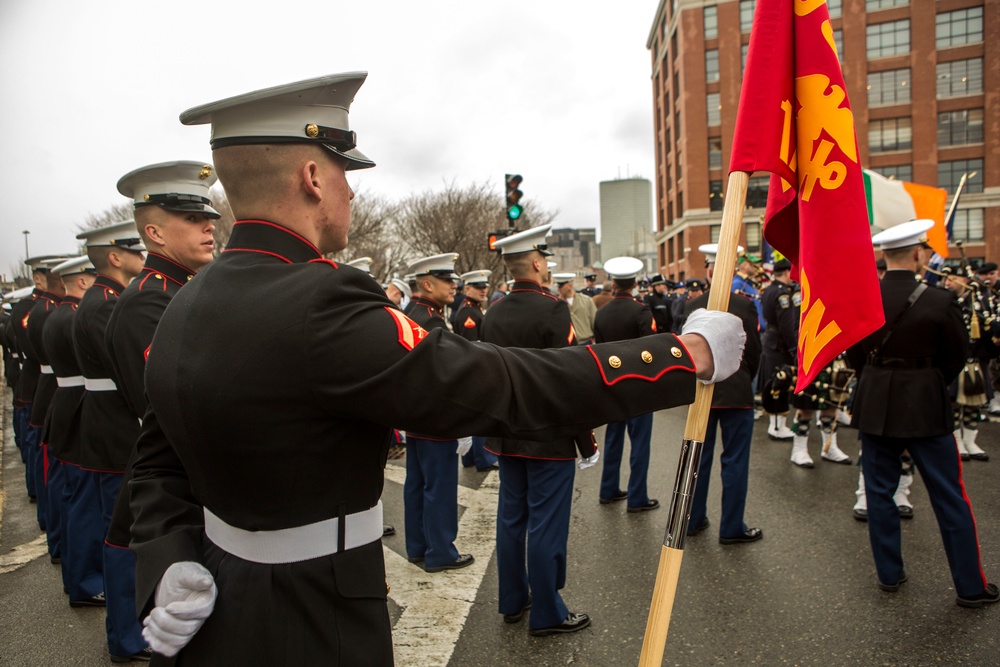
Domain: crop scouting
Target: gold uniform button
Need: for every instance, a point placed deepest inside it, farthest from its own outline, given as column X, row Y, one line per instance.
column 647, row 357
column 614, row 362
column 676, row 351
column 157, row 276
column 387, row 588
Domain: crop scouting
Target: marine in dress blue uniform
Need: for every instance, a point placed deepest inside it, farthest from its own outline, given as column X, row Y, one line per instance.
column 430, row 493
column 625, row 318
column 291, row 543
column 781, row 302
column 902, row 404
column 468, row 323
column 107, row 428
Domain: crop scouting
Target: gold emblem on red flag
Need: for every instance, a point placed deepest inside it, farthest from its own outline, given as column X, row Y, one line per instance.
column 812, row 339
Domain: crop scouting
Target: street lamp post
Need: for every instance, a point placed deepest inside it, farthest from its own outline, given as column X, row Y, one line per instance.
column 26, row 232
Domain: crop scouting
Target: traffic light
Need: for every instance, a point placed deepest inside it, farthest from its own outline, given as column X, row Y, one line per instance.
column 514, row 208
column 497, row 235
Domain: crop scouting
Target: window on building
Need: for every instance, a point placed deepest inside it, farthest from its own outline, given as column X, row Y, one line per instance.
column 715, row 152
column 670, row 251
column 950, row 175
column 757, row 192
column 897, row 172
column 743, row 52
column 746, row 14
column 668, row 138
column 714, row 105
column 960, row 77
column 673, row 47
column 888, row 39
column 714, row 232
column 716, row 199
column 891, row 134
column 711, row 16
column 838, row 39
column 711, row 65
column 889, row 87
column 968, row 225
column 875, row 5
column 962, row 26
column 680, row 203
column 957, row 128
column 680, row 169
column 753, row 236
column 834, row 6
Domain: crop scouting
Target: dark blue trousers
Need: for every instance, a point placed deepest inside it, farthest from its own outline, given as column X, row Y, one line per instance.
column 18, row 419
column 639, row 431
column 478, row 455
column 737, row 431
column 55, row 484
column 36, row 470
column 430, row 500
column 941, row 470
column 532, row 529
column 83, row 541
column 123, row 628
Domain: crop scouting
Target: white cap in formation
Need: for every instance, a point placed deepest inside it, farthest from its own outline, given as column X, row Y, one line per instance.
column 180, row 186
column 363, row 263
column 903, row 235
column 563, row 278
column 75, row 265
column 314, row 111
column 526, row 241
column 17, row 295
column 44, row 262
column 402, row 287
column 712, row 249
column 121, row 234
column 479, row 277
column 440, row 266
column 623, row 267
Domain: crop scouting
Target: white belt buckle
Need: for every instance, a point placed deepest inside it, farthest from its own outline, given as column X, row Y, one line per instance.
column 99, row 384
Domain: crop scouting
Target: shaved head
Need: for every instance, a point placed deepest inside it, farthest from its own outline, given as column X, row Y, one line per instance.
column 253, row 175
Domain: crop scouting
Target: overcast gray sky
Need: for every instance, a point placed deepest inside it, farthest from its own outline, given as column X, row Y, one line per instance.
column 559, row 92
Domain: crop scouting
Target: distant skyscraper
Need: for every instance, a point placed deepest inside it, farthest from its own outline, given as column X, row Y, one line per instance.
column 627, row 220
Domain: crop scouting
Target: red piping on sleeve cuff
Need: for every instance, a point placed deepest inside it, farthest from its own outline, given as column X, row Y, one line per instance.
column 634, row 376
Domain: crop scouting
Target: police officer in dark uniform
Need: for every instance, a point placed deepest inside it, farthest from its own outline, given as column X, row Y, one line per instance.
column 658, row 301
column 902, row 404
column 260, row 462
column 82, row 578
column 693, row 288
column 468, row 325
column 781, row 302
column 107, row 428
column 592, row 289
column 625, row 318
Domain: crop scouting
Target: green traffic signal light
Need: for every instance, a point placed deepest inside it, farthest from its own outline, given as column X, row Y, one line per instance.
column 514, row 212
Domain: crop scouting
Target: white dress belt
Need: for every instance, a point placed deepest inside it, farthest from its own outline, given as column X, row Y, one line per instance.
column 99, row 384
column 291, row 545
column 70, row 381
column 15, row 355
column 46, row 370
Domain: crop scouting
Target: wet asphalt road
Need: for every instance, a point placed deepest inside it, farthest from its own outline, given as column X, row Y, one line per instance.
column 804, row 595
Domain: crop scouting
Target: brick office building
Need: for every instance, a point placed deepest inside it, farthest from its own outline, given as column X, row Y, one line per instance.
column 923, row 83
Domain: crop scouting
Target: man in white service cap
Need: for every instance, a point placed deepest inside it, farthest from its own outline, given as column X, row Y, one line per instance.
column 277, row 559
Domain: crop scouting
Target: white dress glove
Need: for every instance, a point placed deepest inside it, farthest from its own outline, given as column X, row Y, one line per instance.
column 725, row 337
column 185, row 597
column 589, row 462
column 464, row 446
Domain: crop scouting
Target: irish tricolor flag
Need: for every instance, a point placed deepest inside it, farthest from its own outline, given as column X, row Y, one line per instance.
column 893, row 202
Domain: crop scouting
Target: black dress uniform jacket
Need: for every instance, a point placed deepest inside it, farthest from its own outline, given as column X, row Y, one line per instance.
column 27, row 381
column 62, row 425
column 736, row 391
column 107, row 428
column 781, row 304
column 623, row 318
column 924, row 354
column 285, row 419
column 44, row 306
column 11, row 359
column 469, row 319
column 659, row 306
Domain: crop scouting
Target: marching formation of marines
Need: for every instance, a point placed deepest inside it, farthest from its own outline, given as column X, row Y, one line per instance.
column 187, row 456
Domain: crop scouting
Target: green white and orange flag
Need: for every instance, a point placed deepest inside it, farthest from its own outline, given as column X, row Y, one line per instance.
column 892, row 203
column 795, row 121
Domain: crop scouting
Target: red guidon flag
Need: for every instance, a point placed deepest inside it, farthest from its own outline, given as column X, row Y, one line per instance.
column 795, row 121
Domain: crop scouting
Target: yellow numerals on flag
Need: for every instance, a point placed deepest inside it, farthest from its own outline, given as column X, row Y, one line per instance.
column 812, row 339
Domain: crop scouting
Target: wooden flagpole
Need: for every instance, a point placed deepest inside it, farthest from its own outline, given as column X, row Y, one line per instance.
column 669, row 568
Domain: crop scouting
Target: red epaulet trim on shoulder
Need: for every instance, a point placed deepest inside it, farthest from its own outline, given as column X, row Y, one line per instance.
column 324, row 260
column 149, row 275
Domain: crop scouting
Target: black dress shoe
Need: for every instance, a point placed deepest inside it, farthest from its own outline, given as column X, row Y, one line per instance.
column 416, row 561
column 982, row 456
column 699, row 528
column 388, row 530
column 621, row 495
column 651, row 504
column 96, row 601
column 516, row 618
column 752, row 535
column 488, row 468
column 892, row 588
column 32, row 499
column 905, row 512
column 55, row 560
column 571, row 623
column 464, row 560
column 988, row 596
column 861, row 515
column 145, row 655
